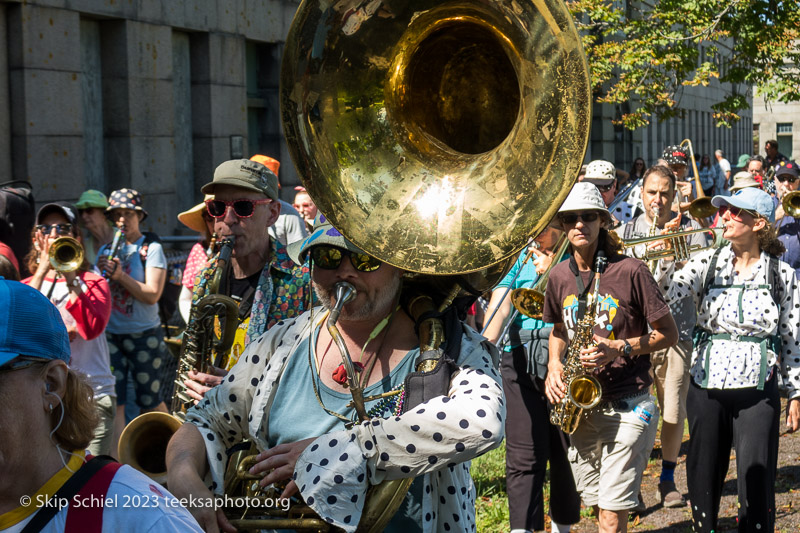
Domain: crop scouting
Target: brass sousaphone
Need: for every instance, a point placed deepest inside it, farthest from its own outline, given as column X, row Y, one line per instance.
column 436, row 136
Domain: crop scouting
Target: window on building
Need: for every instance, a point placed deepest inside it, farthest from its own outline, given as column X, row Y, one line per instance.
column 263, row 112
column 784, row 138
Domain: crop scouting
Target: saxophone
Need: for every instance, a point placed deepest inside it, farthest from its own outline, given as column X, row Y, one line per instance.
column 583, row 389
column 201, row 347
column 143, row 443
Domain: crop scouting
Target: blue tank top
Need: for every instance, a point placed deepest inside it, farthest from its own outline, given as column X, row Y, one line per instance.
column 286, row 426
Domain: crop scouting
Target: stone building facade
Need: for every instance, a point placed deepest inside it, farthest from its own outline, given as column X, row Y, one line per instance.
column 149, row 94
column 153, row 94
column 621, row 146
column 776, row 121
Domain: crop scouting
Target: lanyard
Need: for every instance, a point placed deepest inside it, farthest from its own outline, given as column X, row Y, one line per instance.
column 582, row 289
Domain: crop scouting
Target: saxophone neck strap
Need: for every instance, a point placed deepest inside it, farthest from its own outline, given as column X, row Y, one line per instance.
column 583, row 289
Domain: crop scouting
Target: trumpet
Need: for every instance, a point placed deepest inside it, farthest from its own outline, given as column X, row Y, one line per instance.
column 677, row 249
column 791, row 203
column 530, row 302
column 65, row 254
column 700, row 207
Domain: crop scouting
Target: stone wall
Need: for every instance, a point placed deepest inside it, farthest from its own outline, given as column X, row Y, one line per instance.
column 129, row 93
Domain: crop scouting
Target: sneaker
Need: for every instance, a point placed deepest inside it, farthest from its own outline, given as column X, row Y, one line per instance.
column 670, row 497
column 640, row 507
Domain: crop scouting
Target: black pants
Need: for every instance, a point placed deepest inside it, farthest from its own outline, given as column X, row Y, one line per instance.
column 531, row 440
column 748, row 419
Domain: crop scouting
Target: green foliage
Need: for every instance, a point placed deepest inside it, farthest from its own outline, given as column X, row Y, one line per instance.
column 645, row 52
column 491, row 502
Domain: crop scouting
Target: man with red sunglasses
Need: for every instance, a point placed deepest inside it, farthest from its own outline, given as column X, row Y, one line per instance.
column 268, row 285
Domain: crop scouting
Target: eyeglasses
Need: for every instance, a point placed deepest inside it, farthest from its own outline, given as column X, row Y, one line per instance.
column 61, row 229
column 736, row 212
column 786, row 178
column 242, row 208
column 572, row 218
column 330, row 257
column 21, row 362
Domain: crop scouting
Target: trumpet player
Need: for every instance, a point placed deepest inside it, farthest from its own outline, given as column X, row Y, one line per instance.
column 529, row 446
column 787, row 224
column 613, row 440
column 288, row 394
column 670, row 367
column 83, row 298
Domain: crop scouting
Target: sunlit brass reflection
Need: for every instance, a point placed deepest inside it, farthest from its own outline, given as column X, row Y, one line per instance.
column 439, row 136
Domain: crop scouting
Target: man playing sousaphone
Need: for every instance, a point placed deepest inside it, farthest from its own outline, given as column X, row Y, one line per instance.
column 612, row 442
column 265, row 282
column 288, row 394
column 670, row 368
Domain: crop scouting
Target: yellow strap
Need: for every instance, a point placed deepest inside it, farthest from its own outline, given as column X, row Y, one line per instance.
column 47, row 490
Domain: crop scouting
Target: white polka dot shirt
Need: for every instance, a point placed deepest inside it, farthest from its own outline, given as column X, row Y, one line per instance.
column 436, row 439
column 741, row 312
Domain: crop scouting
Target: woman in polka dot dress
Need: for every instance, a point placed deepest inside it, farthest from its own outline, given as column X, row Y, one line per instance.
column 287, row 390
column 748, row 331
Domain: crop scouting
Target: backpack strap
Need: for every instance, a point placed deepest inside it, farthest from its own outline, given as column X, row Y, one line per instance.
column 775, row 281
column 89, row 518
column 712, row 268
column 149, row 237
column 69, row 489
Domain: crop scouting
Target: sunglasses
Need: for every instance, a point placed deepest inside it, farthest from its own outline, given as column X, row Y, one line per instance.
column 21, row 362
column 785, row 178
column 330, row 257
column 736, row 212
column 242, row 208
column 61, row 229
column 572, row 218
column 605, row 188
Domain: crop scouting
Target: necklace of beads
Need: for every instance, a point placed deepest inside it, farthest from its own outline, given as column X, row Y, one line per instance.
column 392, row 404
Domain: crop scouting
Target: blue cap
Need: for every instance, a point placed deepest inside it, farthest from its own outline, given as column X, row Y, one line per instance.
column 750, row 198
column 30, row 324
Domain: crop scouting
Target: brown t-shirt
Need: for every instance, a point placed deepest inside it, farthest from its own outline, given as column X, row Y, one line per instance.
column 629, row 299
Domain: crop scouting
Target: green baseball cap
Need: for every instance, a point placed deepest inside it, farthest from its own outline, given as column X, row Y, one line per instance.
column 92, row 198
column 244, row 174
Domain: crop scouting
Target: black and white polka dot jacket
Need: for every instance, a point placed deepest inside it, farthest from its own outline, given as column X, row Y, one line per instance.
column 741, row 312
column 436, row 439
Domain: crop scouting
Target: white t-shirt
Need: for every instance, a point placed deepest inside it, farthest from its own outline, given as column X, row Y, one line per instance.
column 289, row 227
column 133, row 502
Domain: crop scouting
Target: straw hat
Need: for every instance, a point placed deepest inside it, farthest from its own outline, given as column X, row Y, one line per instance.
column 193, row 218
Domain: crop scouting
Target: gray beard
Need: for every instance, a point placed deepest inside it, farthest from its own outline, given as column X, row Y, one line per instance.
column 384, row 299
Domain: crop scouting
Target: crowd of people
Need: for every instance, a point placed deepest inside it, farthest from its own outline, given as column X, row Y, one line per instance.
column 652, row 307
